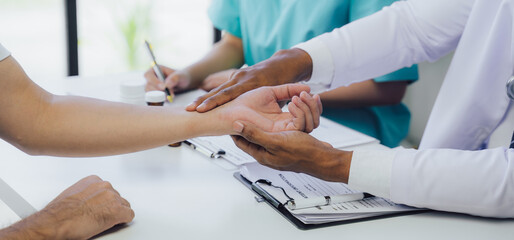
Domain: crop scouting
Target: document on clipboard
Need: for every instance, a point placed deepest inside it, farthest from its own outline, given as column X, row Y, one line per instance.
column 336, row 134
column 283, row 186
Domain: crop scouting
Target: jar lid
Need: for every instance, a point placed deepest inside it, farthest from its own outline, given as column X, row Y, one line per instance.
column 131, row 88
column 155, row 97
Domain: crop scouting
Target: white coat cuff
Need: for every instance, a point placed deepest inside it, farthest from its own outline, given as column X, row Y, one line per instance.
column 322, row 65
column 370, row 172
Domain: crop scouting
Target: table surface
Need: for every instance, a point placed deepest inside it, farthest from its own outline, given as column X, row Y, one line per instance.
column 178, row 193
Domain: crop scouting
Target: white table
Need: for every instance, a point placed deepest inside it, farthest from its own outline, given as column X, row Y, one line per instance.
column 177, row 193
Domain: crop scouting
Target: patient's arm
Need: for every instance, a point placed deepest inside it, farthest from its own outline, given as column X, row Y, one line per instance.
column 39, row 122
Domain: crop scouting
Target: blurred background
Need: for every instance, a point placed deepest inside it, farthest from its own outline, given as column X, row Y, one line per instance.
column 110, row 34
column 109, row 38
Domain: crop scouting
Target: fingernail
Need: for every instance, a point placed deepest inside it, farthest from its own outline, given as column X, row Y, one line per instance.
column 238, row 127
column 191, row 105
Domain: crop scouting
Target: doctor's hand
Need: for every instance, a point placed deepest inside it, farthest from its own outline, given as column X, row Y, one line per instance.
column 293, row 151
column 285, row 66
column 82, row 211
column 216, row 79
column 175, row 80
column 262, row 107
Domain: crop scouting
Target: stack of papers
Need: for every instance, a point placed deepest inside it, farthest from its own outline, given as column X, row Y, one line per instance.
column 336, row 134
column 302, row 186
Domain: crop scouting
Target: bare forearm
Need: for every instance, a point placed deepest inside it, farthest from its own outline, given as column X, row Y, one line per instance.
column 35, row 227
column 365, row 94
column 76, row 126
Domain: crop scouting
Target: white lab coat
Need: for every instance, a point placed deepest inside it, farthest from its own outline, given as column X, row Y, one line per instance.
column 449, row 172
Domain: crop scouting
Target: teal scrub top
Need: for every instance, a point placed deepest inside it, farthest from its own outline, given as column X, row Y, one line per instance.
column 266, row 26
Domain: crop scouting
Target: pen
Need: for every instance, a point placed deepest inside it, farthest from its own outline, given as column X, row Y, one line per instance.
column 204, row 150
column 325, row 200
column 157, row 70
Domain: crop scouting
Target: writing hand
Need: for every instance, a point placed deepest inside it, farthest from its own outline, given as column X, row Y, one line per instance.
column 175, row 81
column 293, row 151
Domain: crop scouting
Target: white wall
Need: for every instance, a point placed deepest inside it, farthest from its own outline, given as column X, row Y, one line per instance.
column 421, row 95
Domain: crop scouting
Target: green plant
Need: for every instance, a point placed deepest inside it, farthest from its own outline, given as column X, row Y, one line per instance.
column 134, row 27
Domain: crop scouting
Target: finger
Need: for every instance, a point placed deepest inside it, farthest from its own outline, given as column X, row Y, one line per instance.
column 123, row 214
column 152, row 82
column 258, row 152
column 222, row 97
column 194, row 105
column 123, row 201
column 287, row 91
column 253, row 134
column 313, row 106
column 166, row 70
column 129, row 215
column 309, row 121
column 298, row 117
column 171, row 81
column 327, row 144
column 320, row 106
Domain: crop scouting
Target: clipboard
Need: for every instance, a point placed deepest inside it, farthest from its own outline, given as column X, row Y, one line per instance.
column 281, row 209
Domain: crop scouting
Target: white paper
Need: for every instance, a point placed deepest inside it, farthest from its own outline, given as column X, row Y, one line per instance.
column 13, row 207
column 7, row 216
column 299, row 185
column 337, row 135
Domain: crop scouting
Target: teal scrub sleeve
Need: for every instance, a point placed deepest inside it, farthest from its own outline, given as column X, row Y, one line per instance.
column 360, row 9
column 224, row 15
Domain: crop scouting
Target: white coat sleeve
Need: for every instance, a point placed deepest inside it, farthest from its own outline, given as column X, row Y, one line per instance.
column 406, row 33
column 474, row 182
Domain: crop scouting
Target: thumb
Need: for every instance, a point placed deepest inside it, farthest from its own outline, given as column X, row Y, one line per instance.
column 287, row 91
column 172, row 80
column 326, row 144
column 252, row 133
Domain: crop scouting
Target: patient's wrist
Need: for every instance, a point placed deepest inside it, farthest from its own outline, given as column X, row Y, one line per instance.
column 37, row 226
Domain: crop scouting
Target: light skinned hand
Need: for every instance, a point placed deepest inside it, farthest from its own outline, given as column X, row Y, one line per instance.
column 293, row 151
column 175, row 80
column 216, row 79
column 262, row 108
column 286, row 66
column 82, row 211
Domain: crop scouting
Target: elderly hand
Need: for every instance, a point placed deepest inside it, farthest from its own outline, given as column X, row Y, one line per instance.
column 262, row 108
column 286, row 66
column 82, row 211
column 294, row 151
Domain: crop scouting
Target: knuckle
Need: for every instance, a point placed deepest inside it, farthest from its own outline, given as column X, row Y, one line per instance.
column 226, row 91
column 94, row 178
column 106, row 185
column 238, row 74
column 131, row 214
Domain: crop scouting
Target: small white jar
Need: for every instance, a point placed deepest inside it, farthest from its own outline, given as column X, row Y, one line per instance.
column 155, row 98
column 132, row 91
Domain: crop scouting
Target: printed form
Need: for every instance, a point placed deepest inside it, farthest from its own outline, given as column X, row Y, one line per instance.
column 299, row 185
